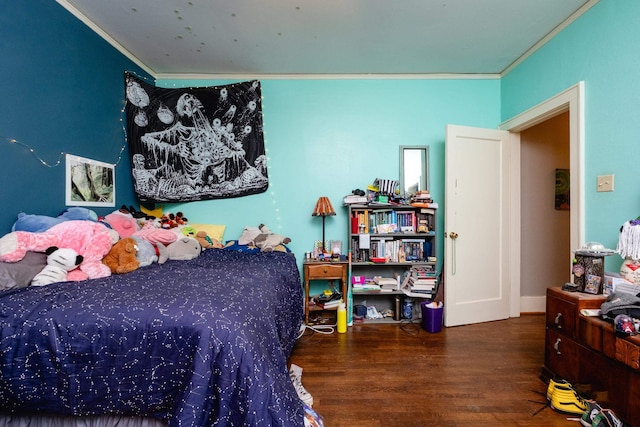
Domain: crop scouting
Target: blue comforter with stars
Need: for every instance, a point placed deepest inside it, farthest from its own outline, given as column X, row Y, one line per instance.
column 197, row 343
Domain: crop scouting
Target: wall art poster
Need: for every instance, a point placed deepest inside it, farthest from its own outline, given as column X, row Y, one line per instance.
column 195, row 143
column 89, row 182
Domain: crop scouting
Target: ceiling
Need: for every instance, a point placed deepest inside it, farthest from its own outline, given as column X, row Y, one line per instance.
column 338, row 37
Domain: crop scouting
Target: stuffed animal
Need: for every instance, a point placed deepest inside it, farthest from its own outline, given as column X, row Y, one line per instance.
column 268, row 240
column 90, row 239
column 249, row 235
column 422, row 226
column 59, row 263
column 168, row 221
column 148, row 253
column 122, row 256
column 188, row 231
column 123, row 222
column 40, row 223
column 157, row 235
column 181, row 219
column 184, row 249
column 207, row 242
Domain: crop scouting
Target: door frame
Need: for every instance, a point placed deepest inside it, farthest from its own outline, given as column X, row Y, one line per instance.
column 572, row 100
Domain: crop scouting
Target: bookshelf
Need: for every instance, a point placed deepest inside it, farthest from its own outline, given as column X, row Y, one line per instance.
column 392, row 242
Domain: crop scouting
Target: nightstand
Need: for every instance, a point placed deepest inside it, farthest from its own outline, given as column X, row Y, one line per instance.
column 323, row 270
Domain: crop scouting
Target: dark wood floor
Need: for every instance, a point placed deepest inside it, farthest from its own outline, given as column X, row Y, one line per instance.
column 401, row 375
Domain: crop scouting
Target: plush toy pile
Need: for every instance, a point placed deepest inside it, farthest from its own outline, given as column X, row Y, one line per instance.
column 80, row 245
column 263, row 238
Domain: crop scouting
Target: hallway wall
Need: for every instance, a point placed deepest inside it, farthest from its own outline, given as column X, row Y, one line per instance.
column 545, row 231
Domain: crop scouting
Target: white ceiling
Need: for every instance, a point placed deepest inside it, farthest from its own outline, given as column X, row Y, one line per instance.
column 343, row 37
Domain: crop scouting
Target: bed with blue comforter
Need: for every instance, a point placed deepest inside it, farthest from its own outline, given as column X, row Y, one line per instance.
column 190, row 343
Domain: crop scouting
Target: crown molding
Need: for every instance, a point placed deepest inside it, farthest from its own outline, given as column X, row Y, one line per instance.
column 213, row 76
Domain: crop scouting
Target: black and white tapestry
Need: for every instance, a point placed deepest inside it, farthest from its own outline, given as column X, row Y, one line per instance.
column 195, row 143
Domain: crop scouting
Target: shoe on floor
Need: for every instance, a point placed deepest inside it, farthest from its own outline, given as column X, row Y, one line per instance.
column 568, row 402
column 607, row 418
column 593, row 410
column 295, row 373
column 559, row 384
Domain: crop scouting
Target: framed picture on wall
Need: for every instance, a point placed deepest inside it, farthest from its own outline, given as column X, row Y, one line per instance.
column 89, row 182
column 563, row 182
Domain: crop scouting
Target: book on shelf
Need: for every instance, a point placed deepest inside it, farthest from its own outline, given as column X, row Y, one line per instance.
column 422, row 287
column 417, row 293
column 365, row 287
column 386, row 283
column 354, row 199
column 329, row 304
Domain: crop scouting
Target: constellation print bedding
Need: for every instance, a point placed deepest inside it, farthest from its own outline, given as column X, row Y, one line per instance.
column 189, row 343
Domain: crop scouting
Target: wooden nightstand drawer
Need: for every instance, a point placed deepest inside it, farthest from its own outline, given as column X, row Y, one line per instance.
column 563, row 308
column 325, row 271
column 561, row 355
column 561, row 315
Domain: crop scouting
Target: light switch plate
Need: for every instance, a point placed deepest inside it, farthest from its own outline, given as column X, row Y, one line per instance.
column 605, row 183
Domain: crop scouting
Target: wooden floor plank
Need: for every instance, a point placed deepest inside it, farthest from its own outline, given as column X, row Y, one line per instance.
column 401, row 375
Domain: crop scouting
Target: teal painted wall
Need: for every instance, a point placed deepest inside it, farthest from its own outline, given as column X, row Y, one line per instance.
column 602, row 49
column 329, row 137
column 63, row 91
column 62, row 88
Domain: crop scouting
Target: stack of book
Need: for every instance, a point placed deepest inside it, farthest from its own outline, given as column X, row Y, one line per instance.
column 365, row 287
column 387, row 283
column 420, row 282
column 328, row 301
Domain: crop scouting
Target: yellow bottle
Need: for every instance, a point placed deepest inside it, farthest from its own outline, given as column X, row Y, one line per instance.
column 342, row 318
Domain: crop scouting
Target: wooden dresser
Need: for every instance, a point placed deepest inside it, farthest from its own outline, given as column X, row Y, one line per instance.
column 586, row 352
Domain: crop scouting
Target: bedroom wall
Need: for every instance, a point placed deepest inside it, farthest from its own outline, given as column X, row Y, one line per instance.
column 62, row 89
column 324, row 137
column 328, row 137
column 601, row 49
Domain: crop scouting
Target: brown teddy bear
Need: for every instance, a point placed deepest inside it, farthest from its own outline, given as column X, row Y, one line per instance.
column 206, row 241
column 122, row 256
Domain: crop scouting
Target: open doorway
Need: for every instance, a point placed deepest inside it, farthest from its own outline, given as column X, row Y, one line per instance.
column 565, row 110
column 545, row 206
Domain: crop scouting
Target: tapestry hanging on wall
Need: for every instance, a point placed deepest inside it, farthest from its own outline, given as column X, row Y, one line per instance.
column 197, row 143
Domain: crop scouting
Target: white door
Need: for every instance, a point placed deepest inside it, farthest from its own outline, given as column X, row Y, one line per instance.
column 478, row 229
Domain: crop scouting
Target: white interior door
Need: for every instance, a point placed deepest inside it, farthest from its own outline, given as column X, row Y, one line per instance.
column 478, row 231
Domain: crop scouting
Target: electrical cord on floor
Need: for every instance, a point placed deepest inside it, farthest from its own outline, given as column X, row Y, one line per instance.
column 321, row 329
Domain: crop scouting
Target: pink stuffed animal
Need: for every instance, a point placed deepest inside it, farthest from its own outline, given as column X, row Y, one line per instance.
column 124, row 223
column 90, row 239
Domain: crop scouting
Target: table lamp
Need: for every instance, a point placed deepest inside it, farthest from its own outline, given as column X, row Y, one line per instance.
column 323, row 208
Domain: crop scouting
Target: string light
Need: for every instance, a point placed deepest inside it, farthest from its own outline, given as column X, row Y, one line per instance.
column 272, row 193
column 33, row 151
column 62, row 153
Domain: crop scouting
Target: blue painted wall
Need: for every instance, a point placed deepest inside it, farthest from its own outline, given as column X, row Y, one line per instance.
column 601, row 49
column 62, row 89
column 328, row 137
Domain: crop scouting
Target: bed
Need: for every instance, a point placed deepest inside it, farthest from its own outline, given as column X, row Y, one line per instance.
column 186, row 343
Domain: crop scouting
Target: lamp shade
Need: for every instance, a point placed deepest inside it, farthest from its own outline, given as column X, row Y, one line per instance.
column 323, row 207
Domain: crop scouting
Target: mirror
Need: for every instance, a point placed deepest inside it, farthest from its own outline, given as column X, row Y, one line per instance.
column 414, row 168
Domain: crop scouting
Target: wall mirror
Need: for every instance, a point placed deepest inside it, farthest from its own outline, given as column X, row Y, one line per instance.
column 414, row 168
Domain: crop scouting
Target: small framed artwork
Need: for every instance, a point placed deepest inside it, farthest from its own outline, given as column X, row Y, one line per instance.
column 563, row 183
column 89, row 182
column 336, row 247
